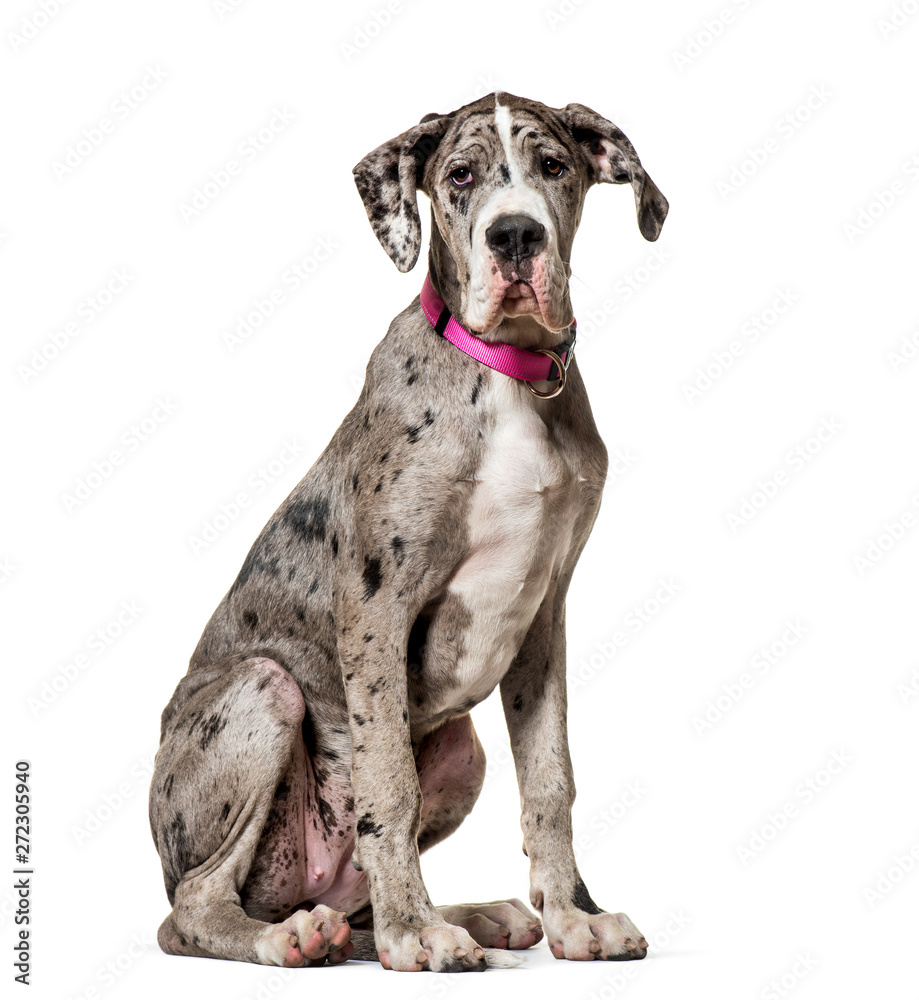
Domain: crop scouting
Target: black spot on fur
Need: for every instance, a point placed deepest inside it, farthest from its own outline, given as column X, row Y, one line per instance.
column 376, row 685
column 254, row 563
column 580, row 898
column 365, row 826
column 355, row 479
column 263, row 683
column 271, row 821
column 413, row 432
column 417, row 638
column 398, row 549
column 518, row 702
column 505, row 173
column 368, row 637
column 211, row 729
column 250, row 620
column 308, row 733
column 176, row 848
column 225, row 812
column 373, row 577
column 326, row 815
column 167, row 785
column 477, row 388
column 308, row 518
column 359, row 719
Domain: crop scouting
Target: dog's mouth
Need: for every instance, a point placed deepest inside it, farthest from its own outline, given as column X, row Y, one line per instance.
column 520, row 299
column 526, row 290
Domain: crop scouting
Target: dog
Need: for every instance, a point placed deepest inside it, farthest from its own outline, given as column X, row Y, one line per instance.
column 321, row 738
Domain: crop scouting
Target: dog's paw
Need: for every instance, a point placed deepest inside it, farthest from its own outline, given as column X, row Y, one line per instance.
column 504, row 923
column 438, row 948
column 307, row 937
column 580, row 936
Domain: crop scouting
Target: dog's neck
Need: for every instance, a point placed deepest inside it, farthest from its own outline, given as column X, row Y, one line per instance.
column 521, row 331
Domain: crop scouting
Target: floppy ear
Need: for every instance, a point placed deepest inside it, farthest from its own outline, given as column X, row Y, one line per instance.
column 387, row 180
column 613, row 160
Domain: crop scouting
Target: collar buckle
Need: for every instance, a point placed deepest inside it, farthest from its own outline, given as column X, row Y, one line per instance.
column 561, row 367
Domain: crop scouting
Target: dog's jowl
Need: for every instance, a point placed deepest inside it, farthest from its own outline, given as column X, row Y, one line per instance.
column 321, row 739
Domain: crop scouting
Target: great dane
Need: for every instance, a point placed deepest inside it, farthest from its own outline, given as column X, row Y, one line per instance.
column 321, row 739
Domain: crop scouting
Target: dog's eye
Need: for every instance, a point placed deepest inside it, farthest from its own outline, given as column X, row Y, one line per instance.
column 553, row 167
column 461, row 176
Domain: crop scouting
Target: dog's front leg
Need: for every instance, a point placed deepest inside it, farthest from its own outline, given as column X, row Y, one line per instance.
column 535, row 706
column 410, row 934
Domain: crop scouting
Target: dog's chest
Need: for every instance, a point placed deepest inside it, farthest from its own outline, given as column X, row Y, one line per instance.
column 522, row 509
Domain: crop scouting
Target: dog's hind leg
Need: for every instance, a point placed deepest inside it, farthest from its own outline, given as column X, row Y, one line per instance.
column 231, row 769
column 451, row 770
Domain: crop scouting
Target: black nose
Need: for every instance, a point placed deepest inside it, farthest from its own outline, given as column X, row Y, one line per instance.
column 515, row 237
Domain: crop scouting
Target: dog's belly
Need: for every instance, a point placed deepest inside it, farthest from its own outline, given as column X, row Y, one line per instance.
column 304, row 854
column 519, row 531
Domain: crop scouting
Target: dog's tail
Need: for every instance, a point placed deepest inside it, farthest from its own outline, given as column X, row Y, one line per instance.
column 497, row 958
column 365, row 951
column 364, row 948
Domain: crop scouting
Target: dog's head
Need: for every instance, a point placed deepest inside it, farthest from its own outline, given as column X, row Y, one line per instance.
column 506, row 178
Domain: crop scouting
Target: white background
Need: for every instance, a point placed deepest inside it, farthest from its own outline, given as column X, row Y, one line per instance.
column 772, row 198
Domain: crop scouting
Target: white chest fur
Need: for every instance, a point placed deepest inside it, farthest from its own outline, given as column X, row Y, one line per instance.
column 519, row 532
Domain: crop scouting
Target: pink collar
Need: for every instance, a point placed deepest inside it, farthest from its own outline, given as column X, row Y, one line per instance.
column 528, row 366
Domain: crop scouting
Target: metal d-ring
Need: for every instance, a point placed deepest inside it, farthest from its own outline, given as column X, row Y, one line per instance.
column 561, row 377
